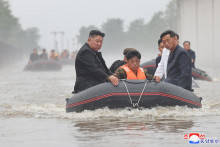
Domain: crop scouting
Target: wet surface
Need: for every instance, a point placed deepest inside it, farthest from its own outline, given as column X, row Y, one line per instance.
column 32, row 113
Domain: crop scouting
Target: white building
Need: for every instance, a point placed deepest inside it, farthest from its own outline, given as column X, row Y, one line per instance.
column 199, row 23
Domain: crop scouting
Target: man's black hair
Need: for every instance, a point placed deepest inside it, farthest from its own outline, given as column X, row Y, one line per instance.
column 186, row 42
column 159, row 41
column 177, row 36
column 132, row 54
column 95, row 33
column 127, row 50
column 170, row 32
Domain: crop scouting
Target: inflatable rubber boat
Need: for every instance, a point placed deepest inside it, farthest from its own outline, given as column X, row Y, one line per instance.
column 67, row 61
column 44, row 65
column 197, row 74
column 132, row 93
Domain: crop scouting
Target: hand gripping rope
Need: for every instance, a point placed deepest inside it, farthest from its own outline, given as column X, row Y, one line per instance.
column 134, row 105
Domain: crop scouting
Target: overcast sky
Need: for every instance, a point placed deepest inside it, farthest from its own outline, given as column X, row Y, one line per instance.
column 70, row 15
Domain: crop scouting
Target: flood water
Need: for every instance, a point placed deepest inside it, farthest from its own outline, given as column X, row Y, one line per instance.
column 32, row 113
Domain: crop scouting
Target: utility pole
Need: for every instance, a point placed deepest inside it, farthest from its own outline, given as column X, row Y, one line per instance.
column 68, row 45
column 62, row 36
column 55, row 33
column 55, row 40
column 74, row 45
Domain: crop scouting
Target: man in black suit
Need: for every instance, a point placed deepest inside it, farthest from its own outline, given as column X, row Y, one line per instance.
column 186, row 45
column 179, row 62
column 90, row 67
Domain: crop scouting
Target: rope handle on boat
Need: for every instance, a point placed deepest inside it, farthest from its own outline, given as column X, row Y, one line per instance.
column 135, row 105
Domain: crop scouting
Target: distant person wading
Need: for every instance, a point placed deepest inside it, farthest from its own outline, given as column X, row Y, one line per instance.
column 191, row 53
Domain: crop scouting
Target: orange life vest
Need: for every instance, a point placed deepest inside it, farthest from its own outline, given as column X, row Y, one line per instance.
column 54, row 56
column 131, row 75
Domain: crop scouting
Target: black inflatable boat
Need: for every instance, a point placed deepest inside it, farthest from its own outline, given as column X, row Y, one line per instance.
column 197, row 74
column 44, row 65
column 67, row 61
column 132, row 93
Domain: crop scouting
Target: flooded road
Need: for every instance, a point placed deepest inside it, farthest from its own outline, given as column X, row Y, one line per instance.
column 32, row 113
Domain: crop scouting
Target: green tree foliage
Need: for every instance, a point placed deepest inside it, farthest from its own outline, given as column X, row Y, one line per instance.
column 171, row 15
column 84, row 34
column 135, row 36
column 12, row 33
column 114, row 35
column 154, row 28
column 140, row 35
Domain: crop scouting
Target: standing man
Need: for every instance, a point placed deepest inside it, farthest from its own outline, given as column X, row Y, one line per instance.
column 161, row 71
column 186, row 45
column 160, row 48
column 90, row 67
column 179, row 63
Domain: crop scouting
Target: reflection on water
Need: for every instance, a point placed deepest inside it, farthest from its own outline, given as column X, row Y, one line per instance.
column 38, row 98
column 132, row 132
column 140, row 124
column 142, row 131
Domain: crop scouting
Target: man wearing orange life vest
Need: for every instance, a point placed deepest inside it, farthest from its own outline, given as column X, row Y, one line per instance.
column 54, row 55
column 132, row 70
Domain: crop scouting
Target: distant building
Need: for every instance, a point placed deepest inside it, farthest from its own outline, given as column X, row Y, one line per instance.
column 199, row 22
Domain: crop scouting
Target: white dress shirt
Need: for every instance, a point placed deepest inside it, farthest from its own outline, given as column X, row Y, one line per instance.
column 162, row 66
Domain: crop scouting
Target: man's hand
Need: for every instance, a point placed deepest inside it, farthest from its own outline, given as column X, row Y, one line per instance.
column 157, row 78
column 113, row 79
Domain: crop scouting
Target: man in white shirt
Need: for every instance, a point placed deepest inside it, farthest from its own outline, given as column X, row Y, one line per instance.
column 162, row 66
column 161, row 71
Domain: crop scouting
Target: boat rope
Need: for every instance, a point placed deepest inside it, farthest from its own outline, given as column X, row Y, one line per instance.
column 135, row 105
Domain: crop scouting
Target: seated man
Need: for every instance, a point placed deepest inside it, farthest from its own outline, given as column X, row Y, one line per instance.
column 34, row 56
column 64, row 54
column 132, row 70
column 54, row 55
column 43, row 55
column 73, row 54
column 119, row 63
